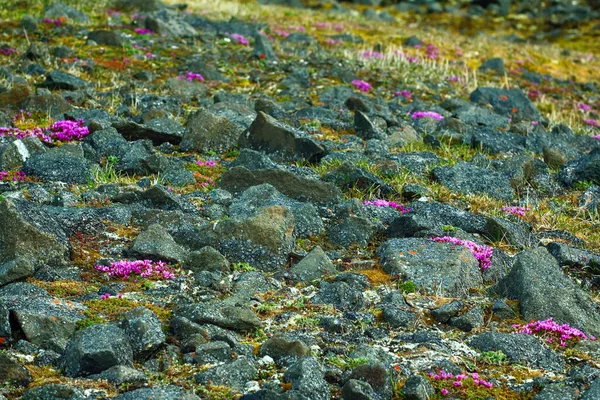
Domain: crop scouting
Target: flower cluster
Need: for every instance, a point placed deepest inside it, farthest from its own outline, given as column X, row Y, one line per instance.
column 21, row 134
column 17, row 176
column 515, row 210
column 592, row 122
column 565, row 331
column 362, row 85
column 57, row 21
column 143, row 268
column 191, row 76
column 66, row 130
column 404, row 93
column 429, row 114
column 332, row 42
column 432, row 52
column 459, row 380
column 143, row 31
column 385, row 203
column 239, row 38
column 584, row 107
column 107, row 296
column 371, row 54
column 207, row 163
column 7, row 51
column 482, row 253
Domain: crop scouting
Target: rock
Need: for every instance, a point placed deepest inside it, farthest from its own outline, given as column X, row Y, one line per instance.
column 437, row 267
column 339, row 294
column 209, row 353
column 508, row 102
column 278, row 348
column 158, row 130
column 206, row 132
column 15, row 153
column 593, row 392
column 467, row 178
column 584, row 168
column 121, row 375
column 544, row 291
column 12, row 372
column 315, row 265
column 58, row 165
column 53, row 104
column 519, row 348
column 572, row 256
column 29, row 238
column 238, row 179
column 470, row 320
column 557, row 391
column 162, row 393
column 263, row 48
column 95, row 349
column 156, row 243
column 228, row 317
column 354, row 389
column 168, row 23
column 62, row 80
column 54, row 391
column 306, row 377
column 515, row 234
column 206, row 259
column 348, row 176
column 144, row 331
column 105, row 37
column 15, row 96
column 279, row 140
column 365, row 128
column 495, row 65
column 58, row 9
column 376, row 375
column 352, row 226
column 264, row 239
column 234, row 374
column 399, row 316
column 140, row 5
column 417, row 387
column 447, row 311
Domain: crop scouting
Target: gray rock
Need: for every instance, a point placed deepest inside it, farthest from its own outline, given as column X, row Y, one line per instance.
column 121, row 375
column 348, row 176
column 228, row 317
column 106, row 37
column 584, row 168
column 206, row 131
column 140, row 5
column 278, row 347
column 517, row 235
column 254, row 160
column 572, row 256
column 212, row 352
column 140, row 158
column 519, row 348
column 365, row 128
column 354, row 389
column 593, row 392
column 376, row 375
column 544, row 291
column 206, row 259
column 505, row 100
column 417, row 387
column 234, row 374
column 307, row 380
column 58, row 9
column 470, row 320
column 467, row 178
column 13, row 372
column 107, row 142
column 299, row 188
column 263, row 48
column 95, row 349
column 58, row 165
column 144, row 331
column 15, row 153
column 279, row 140
column 314, row 265
column 54, row 391
column 447, row 311
column 339, row 294
column 437, row 267
column 62, row 80
column 163, row 393
column 399, row 316
column 156, row 243
column 502, row 310
column 557, row 391
column 158, row 130
column 495, row 65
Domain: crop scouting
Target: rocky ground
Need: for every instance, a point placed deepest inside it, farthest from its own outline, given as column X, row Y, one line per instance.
column 299, row 200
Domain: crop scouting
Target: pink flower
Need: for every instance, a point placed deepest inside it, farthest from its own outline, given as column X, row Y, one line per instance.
column 515, row 210
column 429, row 114
column 404, row 93
column 584, row 107
column 444, row 392
column 239, row 38
column 385, row 203
column 332, row 42
column 362, row 85
column 482, row 253
column 142, row 268
column 592, row 122
column 371, row 54
column 143, row 31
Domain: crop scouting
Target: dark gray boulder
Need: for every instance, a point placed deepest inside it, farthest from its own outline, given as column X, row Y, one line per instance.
column 162, row 393
column 509, row 102
column 156, row 243
column 12, row 372
column 106, row 37
column 307, row 378
column 234, row 374
column 54, row 391
column 121, row 375
column 158, row 130
column 341, row 295
column 206, row 131
column 467, row 178
column 62, row 80
column 314, row 265
column 279, row 347
column 144, row 331
column 417, row 387
column 226, row 316
column 58, row 165
column 15, row 153
column 95, row 349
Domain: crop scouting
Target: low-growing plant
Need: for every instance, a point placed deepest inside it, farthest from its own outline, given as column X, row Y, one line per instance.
column 493, row 357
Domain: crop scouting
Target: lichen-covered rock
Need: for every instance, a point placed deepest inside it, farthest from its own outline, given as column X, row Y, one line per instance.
column 144, row 331
column 467, row 178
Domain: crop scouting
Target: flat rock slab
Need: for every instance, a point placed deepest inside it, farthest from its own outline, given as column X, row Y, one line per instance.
column 441, row 268
column 467, row 178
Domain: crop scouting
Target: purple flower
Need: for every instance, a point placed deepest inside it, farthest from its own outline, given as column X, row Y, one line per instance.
column 584, row 107
column 68, row 130
column 143, row 31
column 191, row 76
column 332, row 42
column 515, row 210
column 143, row 268
column 385, row 203
column 565, row 331
column 371, row 54
column 208, row 163
column 404, row 93
column 592, row 122
column 444, row 392
column 7, row 51
column 423, row 114
column 482, row 253
column 362, row 85
column 239, row 38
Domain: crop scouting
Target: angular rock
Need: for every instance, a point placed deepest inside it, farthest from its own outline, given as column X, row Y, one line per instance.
column 15, row 153
column 54, row 391
column 314, row 265
column 307, row 379
column 158, row 130
column 62, row 80
column 206, row 132
column 238, row 179
column 234, row 374
column 365, row 128
column 519, row 348
column 263, row 48
column 593, row 392
column 12, row 372
column 144, row 331
column 339, row 294
column 206, row 259
column 58, row 9
column 417, row 387
column 495, row 65
column 572, row 256
column 278, row 347
column 121, row 375
column 354, row 389
column 279, row 140
column 584, row 168
column 228, row 317
column 95, row 349
column 105, row 37
column 154, row 393
column 544, row 291
column 58, row 165
column 509, row 102
column 156, row 243
column 467, row 178
column 468, row 321
column 348, row 176
column 447, row 311
column 517, row 235
column 437, row 267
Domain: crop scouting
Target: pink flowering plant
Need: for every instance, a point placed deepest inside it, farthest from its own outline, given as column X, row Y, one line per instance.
column 363, row 86
column 385, row 203
column 515, row 210
column 482, row 253
column 191, row 76
column 470, row 385
column 239, row 39
column 427, row 114
column 17, row 176
column 142, row 268
column 551, row 331
column 62, row 131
